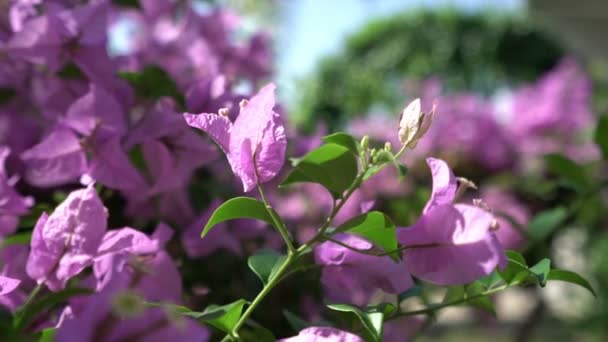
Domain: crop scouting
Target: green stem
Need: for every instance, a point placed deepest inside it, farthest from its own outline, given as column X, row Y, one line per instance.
column 293, row 253
column 379, row 254
column 435, row 307
column 265, row 291
column 278, row 222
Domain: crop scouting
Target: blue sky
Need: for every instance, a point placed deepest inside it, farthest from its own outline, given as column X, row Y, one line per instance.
column 311, row 29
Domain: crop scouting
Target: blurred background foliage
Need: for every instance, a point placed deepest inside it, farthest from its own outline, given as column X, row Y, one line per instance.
column 480, row 52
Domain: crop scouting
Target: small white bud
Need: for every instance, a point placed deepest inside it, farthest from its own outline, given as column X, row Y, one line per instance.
column 413, row 124
column 364, row 142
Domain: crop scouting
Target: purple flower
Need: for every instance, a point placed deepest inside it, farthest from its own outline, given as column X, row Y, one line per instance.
column 59, row 35
column 116, row 313
column 255, row 143
column 450, row 244
column 57, row 159
column 8, row 285
column 354, row 277
column 323, row 334
column 12, row 205
column 120, row 246
column 131, row 267
column 66, row 242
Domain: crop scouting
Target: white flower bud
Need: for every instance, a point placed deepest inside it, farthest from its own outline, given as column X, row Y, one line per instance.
column 413, row 124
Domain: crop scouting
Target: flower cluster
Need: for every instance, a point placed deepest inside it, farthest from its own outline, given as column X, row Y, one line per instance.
column 100, row 151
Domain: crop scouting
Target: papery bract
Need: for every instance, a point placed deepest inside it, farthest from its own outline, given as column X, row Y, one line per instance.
column 57, row 159
column 323, row 334
column 255, row 143
column 450, row 244
column 66, row 242
column 12, row 205
column 353, row 277
column 8, row 285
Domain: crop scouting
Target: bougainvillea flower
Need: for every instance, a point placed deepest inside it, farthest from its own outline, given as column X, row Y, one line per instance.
column 255, row 143
column 450, row 244
column 106, row 316
column 56, row 160
column 12, row 204
column 8, row 285
column 54, row 37
column 97, row 113
column 120, row 245
column 323, row 334
column 66, row 242
column 353, row 277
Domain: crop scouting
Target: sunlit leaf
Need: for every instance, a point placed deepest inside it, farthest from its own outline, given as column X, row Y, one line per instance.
column 237, row 208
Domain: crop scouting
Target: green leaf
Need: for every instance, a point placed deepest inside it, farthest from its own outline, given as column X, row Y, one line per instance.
column 401, row 170
column 372, row 322
column 17, row 239
column 237, row 208
column 222, row 317
column 570, row 277
column 375, row 227
column 516, row 269
column 6, row 94
column 545, row 222
column 265, row 263
column 454, row 293
column 483, row 302
column 491, row 280
column 153, row 83
column 344, row 140
column 383, row 157
column 26, row 314
column 330, row 165
column 255, row 332
column 601, row 135
column 297, row 323
column 72, row 72
column 127, row 3
column 568, row 170
column 47, row 335
column 541, row 271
